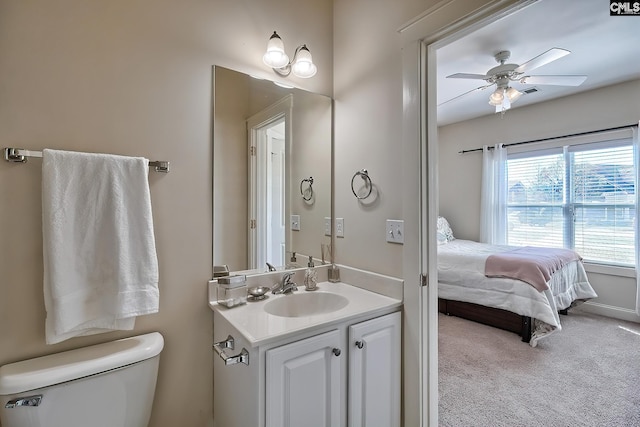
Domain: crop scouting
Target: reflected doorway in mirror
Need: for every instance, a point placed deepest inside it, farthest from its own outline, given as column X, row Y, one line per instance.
column 268, row 172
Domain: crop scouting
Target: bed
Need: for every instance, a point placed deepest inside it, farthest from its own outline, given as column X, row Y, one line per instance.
column 511, row 304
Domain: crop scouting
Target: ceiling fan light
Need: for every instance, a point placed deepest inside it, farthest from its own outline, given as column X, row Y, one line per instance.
column 513, row 94
column 504, row 105
column 497, row 97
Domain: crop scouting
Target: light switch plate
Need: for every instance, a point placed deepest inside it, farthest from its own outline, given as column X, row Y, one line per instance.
column 395, row 231
column 327, row 226
column 295, row 222
column 339, row 227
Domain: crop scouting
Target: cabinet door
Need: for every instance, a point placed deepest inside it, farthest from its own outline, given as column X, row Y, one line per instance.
column 303, row 383
column 374, row 372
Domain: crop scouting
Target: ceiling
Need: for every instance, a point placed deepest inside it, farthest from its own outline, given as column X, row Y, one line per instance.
column 604, row 48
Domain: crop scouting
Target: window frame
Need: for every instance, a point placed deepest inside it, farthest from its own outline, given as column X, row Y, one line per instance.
column 569, row 206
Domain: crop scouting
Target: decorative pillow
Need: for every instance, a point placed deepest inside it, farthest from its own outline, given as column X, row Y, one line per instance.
column 444, row 232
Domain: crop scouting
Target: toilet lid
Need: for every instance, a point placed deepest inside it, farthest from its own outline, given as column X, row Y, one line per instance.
column 73, row 364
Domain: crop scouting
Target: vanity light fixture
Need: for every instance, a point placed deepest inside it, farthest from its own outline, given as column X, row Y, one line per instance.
column 301, row 65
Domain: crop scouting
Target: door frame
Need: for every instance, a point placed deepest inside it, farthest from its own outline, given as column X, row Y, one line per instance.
column 256, row 227
column 421, row 36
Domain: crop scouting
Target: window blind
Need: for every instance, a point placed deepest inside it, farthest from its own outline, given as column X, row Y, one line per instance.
column 579, row 196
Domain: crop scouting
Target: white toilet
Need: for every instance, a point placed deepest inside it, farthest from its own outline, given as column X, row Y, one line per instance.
column 105, row 385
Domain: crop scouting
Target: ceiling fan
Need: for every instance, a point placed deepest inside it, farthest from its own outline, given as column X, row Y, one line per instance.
column 503, row 74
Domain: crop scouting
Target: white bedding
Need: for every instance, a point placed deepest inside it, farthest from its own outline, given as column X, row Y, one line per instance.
column 461, row 278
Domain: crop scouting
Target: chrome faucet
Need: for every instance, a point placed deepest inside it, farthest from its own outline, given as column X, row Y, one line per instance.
column 286, row 285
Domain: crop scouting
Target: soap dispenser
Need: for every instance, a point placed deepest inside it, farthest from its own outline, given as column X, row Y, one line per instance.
column 310, row 277
column 293, row 262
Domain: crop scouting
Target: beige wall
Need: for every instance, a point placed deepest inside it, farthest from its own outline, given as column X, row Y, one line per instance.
column 460, row 175
column 134, row 78
column 230, row 181
column 369, row 54
column 311, row 156
column 368, row 126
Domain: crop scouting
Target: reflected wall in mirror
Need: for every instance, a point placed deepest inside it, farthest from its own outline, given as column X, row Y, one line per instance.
column 271, row 172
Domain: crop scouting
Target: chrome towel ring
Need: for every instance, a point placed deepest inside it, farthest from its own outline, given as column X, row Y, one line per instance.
column 308, row 193
column 367, row 183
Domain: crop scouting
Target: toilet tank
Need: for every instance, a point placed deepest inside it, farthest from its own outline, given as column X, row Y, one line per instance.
column 105, row 385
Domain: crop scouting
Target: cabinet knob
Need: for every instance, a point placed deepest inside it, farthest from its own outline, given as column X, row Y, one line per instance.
column 336, row 351
column 360, row 344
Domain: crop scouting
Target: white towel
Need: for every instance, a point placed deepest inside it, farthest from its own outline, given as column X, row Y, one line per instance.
column 100, row 262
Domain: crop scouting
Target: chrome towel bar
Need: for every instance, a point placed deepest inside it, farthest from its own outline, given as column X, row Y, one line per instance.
column 18, row 155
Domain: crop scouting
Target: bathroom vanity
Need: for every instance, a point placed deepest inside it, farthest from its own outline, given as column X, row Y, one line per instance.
column 330, row 357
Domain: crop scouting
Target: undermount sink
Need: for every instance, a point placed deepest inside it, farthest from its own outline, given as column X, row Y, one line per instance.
column 305, row 304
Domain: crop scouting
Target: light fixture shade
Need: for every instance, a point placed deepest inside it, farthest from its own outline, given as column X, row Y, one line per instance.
column 504, row 105
column 304, row 66
column 513, row 94
column 497, row 97
column 275, row 57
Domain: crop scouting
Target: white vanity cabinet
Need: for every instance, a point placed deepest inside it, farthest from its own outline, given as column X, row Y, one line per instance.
column 338, row 375
column 374, row 372
column 304, row 382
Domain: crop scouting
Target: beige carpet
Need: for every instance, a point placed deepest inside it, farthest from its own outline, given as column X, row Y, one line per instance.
column 587, row 374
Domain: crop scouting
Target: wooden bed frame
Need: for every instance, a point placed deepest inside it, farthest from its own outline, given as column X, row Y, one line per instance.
column 502, row 319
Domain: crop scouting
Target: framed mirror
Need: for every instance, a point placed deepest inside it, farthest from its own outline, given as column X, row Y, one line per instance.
column 271, row 173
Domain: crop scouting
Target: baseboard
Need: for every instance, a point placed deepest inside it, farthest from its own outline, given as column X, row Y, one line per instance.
column 610, row 311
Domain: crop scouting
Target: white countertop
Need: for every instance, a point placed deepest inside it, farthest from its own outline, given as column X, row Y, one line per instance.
column 260, row 327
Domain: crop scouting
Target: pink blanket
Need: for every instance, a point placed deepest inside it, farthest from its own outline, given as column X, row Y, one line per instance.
column 531, row 265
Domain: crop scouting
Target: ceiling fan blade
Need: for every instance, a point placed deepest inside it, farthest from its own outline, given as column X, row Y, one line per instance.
column 468, row 76
column 554, row 80
column 466, row 93
column 542, row 59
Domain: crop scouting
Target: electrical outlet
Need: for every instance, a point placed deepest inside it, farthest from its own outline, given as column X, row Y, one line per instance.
column 295, row 222
column 327, row 226
column 395, row 231
column 339, row 227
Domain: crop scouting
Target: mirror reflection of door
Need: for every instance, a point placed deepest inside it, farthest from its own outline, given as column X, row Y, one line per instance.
column 274, row 180
column 268, row 165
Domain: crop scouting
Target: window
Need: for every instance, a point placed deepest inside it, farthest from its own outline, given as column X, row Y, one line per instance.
column 579, row 196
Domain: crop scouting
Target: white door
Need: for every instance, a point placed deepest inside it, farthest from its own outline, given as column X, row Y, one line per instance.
column 275, row 206
column 303, row 383
column 374, row 372
column 269, row 135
